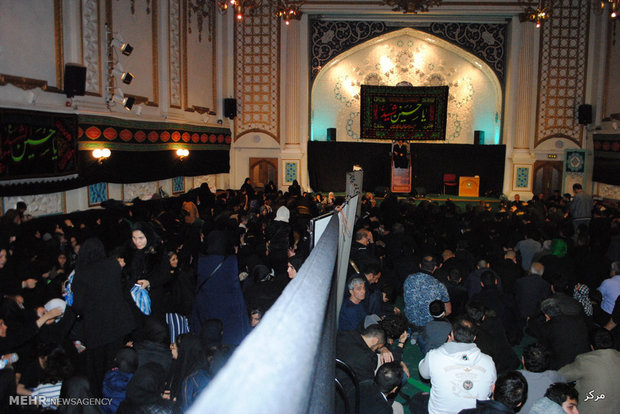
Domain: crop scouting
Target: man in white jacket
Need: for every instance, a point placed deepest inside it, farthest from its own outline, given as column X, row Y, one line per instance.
column 459, row 372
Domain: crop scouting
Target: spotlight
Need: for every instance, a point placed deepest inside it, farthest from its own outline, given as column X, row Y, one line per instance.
column 126, row 77
column 126, row 101
column 125, row 48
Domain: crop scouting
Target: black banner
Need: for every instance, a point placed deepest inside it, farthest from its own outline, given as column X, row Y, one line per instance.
column 408, row 113
column 37, row 144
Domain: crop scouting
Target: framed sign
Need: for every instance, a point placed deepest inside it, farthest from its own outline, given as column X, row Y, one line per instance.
column 404, row 113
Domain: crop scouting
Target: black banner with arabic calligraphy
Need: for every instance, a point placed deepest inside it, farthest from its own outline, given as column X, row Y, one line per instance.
column 401, row 112
column 37, row 144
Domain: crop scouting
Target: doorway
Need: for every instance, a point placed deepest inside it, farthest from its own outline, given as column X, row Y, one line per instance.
column 263, row 170
column 547, row 177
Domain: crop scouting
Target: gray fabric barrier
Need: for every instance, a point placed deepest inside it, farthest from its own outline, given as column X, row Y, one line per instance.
column 286, row 365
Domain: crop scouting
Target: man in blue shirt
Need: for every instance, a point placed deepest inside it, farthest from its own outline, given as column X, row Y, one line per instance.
column 352, row 312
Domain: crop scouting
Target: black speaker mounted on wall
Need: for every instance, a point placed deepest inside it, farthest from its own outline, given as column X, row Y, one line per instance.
column 584, row 114
column 74, row 80
column 331, row 134
column 230, row 108
column 478, row 137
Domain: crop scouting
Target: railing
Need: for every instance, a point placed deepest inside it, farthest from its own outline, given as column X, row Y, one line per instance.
column 286, row 365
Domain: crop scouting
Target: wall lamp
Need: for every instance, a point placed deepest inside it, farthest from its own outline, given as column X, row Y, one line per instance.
column 100, row 154
column 126, row 77
column 182, row 153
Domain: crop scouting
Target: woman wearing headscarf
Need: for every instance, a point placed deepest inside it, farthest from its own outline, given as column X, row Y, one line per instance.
column 278, row 239
column 106, row 316
column 190, row 370
column 218, row 292
column 144, row 392
column 147, row 266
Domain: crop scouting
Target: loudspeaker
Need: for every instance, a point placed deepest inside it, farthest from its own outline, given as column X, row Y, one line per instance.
column 230, row 108
column 478, row 137
column 74, row 79
column 584, row 113
column 331, row 134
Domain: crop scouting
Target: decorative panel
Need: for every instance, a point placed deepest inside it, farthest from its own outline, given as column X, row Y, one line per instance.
column 291, row 171
column 522, row 177
column 143, row 191
column 562, row 71
column 209, row 179
column 91, row 46
column 257, row 73
column 39, row 205
column 486, row 41
column 178, row 185
column 174, row 52
column 97, row 193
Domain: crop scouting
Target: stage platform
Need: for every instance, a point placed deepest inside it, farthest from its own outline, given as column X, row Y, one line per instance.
column 461, row 202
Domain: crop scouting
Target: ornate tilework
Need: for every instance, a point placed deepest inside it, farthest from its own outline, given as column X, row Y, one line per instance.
column 178, row 185
column 290, row 171
column 522, row 179
column 257, row 72
column 575, row 161
column 562, row 74
column 97, row 193
column 329, row 39
column 486, row 41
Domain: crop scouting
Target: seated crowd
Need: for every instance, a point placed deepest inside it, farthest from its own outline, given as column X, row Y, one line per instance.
column 140, row 306
column 477, row 285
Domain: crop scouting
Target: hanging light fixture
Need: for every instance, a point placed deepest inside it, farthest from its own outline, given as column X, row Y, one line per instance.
column 537, row 15
column 288, row 11
column 241, row 7
column 182, row 153
column 100, row 154
column 412, row 6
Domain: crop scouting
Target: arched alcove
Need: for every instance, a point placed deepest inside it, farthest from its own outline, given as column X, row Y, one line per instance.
column 417, row 58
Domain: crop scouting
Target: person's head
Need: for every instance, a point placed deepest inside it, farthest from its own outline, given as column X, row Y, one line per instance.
column 511, row 389
column 488, row 280
column 537, row 268
column 190, row 356
column 3, row 328
column 389, row 293
column 374, row 336
column 211, row 332
column 362, row 236
column 550, row 307
column 464, row 330
column 476, row 311
column 146, row 385
column 455, row 276
column 577, row 188
column 126, row 360
column 565, row 395
column 601, row 338
column 388, row 377
column 357, row 289
column 372, row 271
column 517, row 198
column 283, row 214
column 294, row 264
column 510, row 255
column 437, row 309
column 428, row 265
column 173, row 259
column 153, row 330
column 142, row 235
column 536, row 357
column 482, row 263
column 559, row 248
column 91, row 251
column 615, row 268
column 394, row 325
column 255, row 317
column 57, row 366
column 4, row 257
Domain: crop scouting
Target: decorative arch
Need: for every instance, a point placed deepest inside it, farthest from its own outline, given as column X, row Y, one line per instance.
column 408, row 55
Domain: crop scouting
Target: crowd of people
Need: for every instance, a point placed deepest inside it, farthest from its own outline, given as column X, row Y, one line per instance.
column 135, row 308
column 477, row 284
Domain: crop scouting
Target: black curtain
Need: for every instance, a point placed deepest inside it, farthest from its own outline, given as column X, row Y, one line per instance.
column 130, row 167
column 328, row 163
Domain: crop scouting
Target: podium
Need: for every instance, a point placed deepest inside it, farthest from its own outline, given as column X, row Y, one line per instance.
column 469, row 186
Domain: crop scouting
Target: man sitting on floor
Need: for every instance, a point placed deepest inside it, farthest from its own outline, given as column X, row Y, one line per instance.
column 509, row 394
column 460, row 374
column 352, row 312
column 560, row 398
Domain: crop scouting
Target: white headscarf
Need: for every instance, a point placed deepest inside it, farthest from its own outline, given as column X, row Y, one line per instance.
column 283, row 214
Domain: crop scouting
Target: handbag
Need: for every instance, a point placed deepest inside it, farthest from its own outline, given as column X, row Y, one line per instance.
column 142, row 299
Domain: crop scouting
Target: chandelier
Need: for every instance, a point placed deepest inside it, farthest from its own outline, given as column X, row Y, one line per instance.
column 537, row 14
column 614, row 7
column 412, row 6
column 241, row 7
column 288, row 11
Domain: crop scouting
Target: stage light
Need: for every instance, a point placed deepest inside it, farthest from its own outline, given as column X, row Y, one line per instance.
column 126, row 77
column 124, row 47
column 126, row 101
